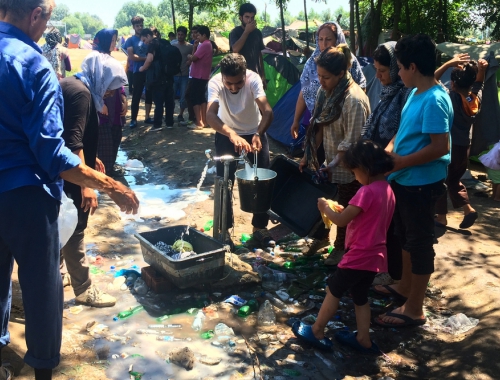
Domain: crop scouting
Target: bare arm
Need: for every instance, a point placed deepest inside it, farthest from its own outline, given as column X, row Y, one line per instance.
column 300, row 108
column 218, row 125
column 438, row 147
column 265, row 122
column 147, row 63
column 457, row 60
column 341, row 219
column 134, row 57
column 89, row 197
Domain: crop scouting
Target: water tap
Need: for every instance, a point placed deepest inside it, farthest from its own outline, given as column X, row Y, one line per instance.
column 227, row 157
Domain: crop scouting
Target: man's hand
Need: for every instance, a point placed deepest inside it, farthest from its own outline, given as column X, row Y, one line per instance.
column 256, row 143
column 251, row 26
column 89, row 200
column 458, row 60
column 99, row 166
column 125, row 198
column 482, row 64
column 240, row 143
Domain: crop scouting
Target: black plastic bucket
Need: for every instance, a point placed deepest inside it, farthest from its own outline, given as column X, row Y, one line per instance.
column 256, row 194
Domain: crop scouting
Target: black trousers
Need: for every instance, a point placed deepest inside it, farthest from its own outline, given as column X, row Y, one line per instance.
column 224, row 146
column 139, row 81
column 163, row 98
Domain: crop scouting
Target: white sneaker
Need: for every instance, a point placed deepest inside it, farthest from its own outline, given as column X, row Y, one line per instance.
column 382, row 279
column 194, row 126
column 94, row 297
column 334, row 257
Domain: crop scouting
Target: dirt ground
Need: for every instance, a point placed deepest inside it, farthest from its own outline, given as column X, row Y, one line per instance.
column 467, row 280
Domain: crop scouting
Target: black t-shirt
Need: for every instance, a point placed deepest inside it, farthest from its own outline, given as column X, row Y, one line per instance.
column 251, row 48
column 81, row 124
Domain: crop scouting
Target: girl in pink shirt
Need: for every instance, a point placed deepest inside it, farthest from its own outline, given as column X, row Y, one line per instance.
column 367, row 218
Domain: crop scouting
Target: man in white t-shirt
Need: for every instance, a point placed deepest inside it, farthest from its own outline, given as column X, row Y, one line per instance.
column 239, row 112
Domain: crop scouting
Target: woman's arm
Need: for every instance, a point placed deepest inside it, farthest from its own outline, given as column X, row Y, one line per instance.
column 147, row 63
column 300, row 108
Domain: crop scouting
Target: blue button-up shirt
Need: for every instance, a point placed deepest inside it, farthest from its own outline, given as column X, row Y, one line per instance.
column 32, row 151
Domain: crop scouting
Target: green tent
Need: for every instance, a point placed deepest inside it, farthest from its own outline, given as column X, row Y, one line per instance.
column 281, row 75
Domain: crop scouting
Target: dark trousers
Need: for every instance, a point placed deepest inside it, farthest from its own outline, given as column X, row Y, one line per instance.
column 187, row 96
column 29, row 235
column 394, row 253
column 74, row 250
column 130, row 78
column 139, row 81
column 110, row 137
column 456, row 190
column 163, row 98
column 414, row 222
column 224, row 146
column 346, row 192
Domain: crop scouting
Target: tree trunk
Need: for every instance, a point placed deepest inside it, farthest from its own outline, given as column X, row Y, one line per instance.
column 352, row 39
column 283, row 39
column 445, row 20
column 173, row 15
column 397, row 15
column 307, row 29
column 440, row 37
column 190, row 16
column 358, row 27
column 408, row 19
column 375, row 27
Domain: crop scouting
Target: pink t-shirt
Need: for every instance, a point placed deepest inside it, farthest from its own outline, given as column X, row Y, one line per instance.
column 366, row 234
column 202, row 68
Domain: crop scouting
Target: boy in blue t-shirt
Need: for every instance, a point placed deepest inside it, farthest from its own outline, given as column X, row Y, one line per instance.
column 421, row 152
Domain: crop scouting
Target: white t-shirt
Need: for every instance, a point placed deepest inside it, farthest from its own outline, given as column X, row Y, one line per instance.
column 238, row 111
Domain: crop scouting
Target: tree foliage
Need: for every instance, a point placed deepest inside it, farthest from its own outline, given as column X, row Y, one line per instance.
column 74, row 25
column 60, row 12
column 91, row 23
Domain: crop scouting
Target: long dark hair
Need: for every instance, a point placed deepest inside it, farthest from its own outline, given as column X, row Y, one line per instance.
column 370, row 156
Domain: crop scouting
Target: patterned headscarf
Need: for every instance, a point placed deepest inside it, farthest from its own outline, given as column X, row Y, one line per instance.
column 102, row 40
column 309, row 79
column 383, row 123
column 100, row 73
column 53, row 38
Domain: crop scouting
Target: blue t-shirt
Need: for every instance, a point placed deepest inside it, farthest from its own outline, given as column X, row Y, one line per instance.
column 140, row 49
column 430, row 112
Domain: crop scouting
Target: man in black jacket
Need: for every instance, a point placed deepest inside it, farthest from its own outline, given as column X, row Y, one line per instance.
column 162, row 63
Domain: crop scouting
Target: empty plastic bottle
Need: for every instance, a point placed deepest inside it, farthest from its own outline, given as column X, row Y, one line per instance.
column 207, row 334
column 276, row 302
column 248, row 309
column 128, row 313
column 163, row 318
column 169, row 326
column 245, row 238
column 223, row 329
column 282, row 294
column 198, row 321
column 140, row 286
column 266, row 316
column 208, row 225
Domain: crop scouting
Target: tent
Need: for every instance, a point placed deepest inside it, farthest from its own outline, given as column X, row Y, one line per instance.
column 301, row 25
column 74, row 41
column 221, row 41
column 281, row 75
column 475, row 51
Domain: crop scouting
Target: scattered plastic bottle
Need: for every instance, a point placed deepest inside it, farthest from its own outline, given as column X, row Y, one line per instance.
column 207, row 334
column 276, row 302
column 266, row 316
column 248, row 309
column 165, row 338
column 223, row 329
column 236, row 301
column 112, row 269
column 198, row 321
column 122, row 263
column 163, row 318
column 245, row 238
column 208, row 225
column 132, row 277
column 169, row 326
column 283, row 295
column 276, row 277
column 192, row 311
column 128, row 313
column 289, row 265
column 148, row 332
column 140, row 287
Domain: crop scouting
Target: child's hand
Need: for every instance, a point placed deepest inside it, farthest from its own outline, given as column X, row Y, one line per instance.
column 482, row 64
column 459, row 59
column 323, row 205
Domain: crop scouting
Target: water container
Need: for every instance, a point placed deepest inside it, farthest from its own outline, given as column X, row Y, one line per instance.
column 256, row 193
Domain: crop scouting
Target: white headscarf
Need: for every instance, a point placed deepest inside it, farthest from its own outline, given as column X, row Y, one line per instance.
column 100, row 73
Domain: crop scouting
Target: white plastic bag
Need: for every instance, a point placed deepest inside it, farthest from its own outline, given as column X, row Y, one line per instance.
column 492, row 159
column 68, row 219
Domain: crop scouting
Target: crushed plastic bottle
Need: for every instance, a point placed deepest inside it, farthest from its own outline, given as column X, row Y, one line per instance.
column 276, row 302
column 128, row 313
column 198, row 321
column 460, row 323
column 208, row 225
column 169, row 326
column 223, row 329
column 245, row 238
column 266, row 316
column 236, row 301
column 283, row 295
column 140, row 287
column 207, row 334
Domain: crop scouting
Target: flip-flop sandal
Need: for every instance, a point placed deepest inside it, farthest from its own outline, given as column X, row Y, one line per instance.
column 349, row 339
column 304, row 333
column 263, row 237
column 468, row 220
column 392, row 293
column 407, row 321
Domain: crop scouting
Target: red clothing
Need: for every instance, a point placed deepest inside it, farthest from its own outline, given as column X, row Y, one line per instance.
column 202, row 68
column 365, row 240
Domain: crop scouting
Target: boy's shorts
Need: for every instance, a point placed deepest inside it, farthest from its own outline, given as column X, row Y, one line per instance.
column 358, row 281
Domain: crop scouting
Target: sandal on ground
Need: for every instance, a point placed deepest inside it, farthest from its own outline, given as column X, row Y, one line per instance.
column 349, row 339
column 304, row 333
column 263, row 237
column 390, row 293
column 407, row 321
column 468, row 220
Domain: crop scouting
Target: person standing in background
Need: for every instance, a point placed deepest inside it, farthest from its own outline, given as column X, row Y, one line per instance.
column 181, row 80
column 137, row 53
column 246, row 40
column 56, row 54
column 201, row 66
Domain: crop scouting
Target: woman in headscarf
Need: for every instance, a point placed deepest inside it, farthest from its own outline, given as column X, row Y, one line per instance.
column 84, row 96
column 56, row 54
column 340, row 112
column 329, row 34
column 112, row 121
column 381, row 127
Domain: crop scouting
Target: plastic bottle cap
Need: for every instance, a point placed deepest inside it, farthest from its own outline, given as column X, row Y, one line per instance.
column 112, row 267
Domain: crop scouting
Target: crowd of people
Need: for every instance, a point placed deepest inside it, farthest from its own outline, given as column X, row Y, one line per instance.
column 393, row 165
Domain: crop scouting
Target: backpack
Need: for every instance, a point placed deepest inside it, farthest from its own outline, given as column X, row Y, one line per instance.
column 165, row 65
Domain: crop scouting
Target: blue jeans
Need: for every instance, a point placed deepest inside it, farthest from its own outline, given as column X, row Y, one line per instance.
column 29, row 235
column 180, row 85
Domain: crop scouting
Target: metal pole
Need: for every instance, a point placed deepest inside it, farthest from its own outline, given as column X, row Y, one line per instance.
column 217, row 207
column 225, row 200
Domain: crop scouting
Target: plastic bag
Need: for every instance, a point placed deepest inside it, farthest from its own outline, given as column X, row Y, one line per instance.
column 67, row 221
column 492, row 159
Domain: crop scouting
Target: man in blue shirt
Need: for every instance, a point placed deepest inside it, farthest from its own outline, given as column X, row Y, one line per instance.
column 137, row 52
column 33, row 162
